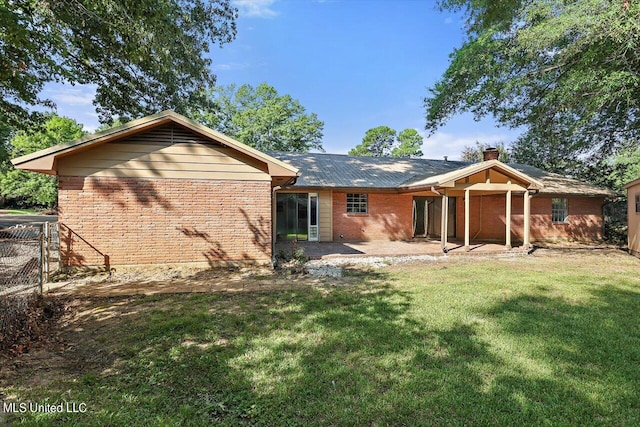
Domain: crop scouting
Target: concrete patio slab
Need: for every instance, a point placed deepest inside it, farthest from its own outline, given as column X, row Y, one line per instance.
column 323, row 250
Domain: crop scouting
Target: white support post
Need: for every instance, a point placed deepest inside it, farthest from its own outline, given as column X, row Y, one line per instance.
column 508, row 221
column 527, row 220
column 444, row 222
column 467, row 202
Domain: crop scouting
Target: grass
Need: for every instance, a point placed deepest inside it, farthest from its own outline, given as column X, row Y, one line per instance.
column 541, row 340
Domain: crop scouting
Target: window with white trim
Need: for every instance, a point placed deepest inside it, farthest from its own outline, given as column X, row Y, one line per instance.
column 559, row 210
column 357, row 203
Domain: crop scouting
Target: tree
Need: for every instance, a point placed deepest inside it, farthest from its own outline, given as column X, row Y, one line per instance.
column 625, row 168
column 569, row 68
column 5, row 156
column 409, row 144
column 30, row 187
column 382, row 141
column 144, row 56
column 377, row 142
column 476, row 154
column 260, row 117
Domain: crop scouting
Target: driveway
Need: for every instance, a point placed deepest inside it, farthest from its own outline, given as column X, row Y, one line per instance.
column 7, row 221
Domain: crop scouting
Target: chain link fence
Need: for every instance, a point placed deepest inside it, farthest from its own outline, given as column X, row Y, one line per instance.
column 29, row 254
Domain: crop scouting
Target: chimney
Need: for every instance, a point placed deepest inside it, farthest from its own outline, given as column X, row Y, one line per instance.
column 491, row 153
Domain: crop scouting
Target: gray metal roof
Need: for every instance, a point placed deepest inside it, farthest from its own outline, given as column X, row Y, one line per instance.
column 321, row 170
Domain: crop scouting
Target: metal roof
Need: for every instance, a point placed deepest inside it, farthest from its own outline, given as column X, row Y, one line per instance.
column 321, row 170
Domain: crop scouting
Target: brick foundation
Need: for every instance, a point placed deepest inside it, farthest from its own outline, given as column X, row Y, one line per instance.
column 128, row 221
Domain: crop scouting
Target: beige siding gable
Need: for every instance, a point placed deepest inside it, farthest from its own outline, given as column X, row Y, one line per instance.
column 325, row 200
column 165, row 152
column 494, row 177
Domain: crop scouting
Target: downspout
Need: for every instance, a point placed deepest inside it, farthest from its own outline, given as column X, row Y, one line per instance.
column 273, row 224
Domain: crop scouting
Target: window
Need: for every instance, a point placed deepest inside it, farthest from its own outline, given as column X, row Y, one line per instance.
column 638, row 203
column 559, row 210
column 357, row 203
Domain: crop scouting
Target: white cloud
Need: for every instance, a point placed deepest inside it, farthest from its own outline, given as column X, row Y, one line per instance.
column 72, row 95
column 446, row 144
column 255, row 8
column 230, row 66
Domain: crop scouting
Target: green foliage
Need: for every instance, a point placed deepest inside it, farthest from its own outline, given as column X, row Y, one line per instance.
column 5, row 156
column 382, row 141
column 144, row 56
column 30, row 187
column 409, row 144
column 475, row 154
column 626, row 168
column 566, row 72
column 260, row 117
column 377, row 142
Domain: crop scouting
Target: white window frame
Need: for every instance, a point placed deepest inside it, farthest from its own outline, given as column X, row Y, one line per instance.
column 559, row 210
column 313, row 234
column 358, row 205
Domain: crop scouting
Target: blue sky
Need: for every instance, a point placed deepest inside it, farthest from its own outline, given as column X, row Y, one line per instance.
column 357, row 64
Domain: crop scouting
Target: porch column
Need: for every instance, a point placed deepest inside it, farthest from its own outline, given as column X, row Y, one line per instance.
column 467, row 202
column 508, row 221
column 444, row 222
column 527, row 220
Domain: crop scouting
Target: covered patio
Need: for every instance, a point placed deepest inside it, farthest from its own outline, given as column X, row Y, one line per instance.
column 489, row 178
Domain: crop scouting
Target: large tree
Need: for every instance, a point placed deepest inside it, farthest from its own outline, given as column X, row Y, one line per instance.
column 143, row 56
column 29, row 187
column 383, row 141
column 377, row 142
column 567, row 72
column 409, row 144
column 260, row 117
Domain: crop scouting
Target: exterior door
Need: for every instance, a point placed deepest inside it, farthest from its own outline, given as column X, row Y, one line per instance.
column 297, row 216
column 313, row 217
column 420, row 216
column 292, row 216
column 434, row 224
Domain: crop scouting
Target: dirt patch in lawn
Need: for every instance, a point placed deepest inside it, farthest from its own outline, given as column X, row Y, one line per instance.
column 93, row 302
column 165, row 279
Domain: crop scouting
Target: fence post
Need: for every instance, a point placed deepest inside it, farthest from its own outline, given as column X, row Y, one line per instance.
column 42, row 257
column 47, row 245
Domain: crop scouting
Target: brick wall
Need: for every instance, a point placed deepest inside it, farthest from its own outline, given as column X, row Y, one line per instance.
column 584, row 223
column 389, row 218
column 155, row 221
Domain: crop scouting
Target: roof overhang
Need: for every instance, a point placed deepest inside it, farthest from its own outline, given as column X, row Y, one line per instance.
column 632, row 183
column 448, row 180
column 45, row 161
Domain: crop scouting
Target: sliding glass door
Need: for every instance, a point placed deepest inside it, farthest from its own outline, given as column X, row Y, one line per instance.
column 297, row 216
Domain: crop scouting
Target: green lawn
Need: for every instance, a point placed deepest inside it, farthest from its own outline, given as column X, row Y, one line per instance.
column 538, row 340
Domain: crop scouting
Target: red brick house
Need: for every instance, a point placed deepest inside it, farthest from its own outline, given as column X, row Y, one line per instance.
column 164, row 189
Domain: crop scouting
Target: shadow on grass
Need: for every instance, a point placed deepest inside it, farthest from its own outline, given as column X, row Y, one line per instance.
column 355, row 355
